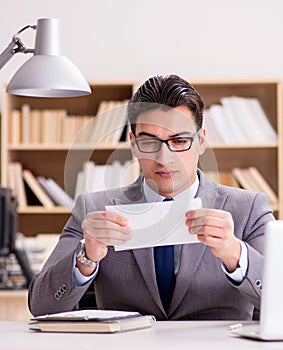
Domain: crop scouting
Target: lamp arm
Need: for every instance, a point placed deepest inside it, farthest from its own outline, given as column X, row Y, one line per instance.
column 7, row 54
column 15, row 46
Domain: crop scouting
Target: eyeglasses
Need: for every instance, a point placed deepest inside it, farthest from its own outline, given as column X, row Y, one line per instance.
column 174, row 144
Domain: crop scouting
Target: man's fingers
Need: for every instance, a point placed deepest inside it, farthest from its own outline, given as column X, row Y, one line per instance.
column 107, row 240
column 205, row 213
column 107, row 216
column 201, row 219
column 106, row 227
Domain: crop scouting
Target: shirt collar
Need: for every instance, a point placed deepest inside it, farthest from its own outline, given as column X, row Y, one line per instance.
column 152, row 196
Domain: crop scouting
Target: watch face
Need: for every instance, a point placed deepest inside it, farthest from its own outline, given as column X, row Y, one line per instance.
column 80, row 254
column 80, row 249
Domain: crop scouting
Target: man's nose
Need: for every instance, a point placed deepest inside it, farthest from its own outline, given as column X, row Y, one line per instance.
column 164, row 154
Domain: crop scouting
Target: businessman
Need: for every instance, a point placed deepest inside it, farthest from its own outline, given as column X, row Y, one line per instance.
column 217, row 278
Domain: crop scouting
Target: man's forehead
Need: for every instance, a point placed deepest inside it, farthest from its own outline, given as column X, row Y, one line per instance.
column 178, row 113
column 158, row 131
column 171, row 120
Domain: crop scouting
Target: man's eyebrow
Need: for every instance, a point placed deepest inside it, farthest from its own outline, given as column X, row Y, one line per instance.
column 144, row 133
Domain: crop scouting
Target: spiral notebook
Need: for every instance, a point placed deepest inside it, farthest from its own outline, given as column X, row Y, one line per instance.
column 91, row 321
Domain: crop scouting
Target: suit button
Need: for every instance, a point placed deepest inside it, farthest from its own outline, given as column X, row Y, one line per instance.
column 64, row 288
column 58, row 294
column 258, row 284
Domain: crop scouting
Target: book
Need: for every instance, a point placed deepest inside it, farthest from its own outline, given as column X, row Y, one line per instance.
column 251, row 179
column 55, row 192
column 91, row 321
column 262, row 120
column 117, row 123
column 233, row 123
column 25, row 131
column 35, row 125
column 221, row 123
column 49, row 126
column 247, row 120
column 36, row 188
column 15, row 130
column 89, row 176
column 226, row 178
column 263, row 185
column 80, row 181
column 16, row 182
column 243, row 178
column 213, row 136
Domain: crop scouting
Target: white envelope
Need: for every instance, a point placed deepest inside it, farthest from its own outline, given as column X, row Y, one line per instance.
column 155, row 224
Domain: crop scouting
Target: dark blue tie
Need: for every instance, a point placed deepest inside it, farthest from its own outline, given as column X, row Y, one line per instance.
column 164, row 269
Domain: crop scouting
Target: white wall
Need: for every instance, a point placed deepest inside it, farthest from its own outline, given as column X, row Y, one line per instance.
column 132, row 40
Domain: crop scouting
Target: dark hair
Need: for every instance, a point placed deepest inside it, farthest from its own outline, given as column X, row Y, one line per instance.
column 165, row 92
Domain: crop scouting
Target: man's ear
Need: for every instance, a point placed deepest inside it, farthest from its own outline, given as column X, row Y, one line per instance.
column 202, row 140
column 133, row 146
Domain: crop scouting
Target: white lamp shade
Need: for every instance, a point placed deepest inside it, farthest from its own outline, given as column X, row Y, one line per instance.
column 48, row 73
column 48, row 76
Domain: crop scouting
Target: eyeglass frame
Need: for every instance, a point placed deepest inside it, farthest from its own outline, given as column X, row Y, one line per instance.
column 191, row 138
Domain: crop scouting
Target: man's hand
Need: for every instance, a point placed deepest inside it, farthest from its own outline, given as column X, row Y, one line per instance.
column 101, row 229
column 215, row 228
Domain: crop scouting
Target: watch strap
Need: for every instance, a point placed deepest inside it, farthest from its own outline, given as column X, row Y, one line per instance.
column 80, row 255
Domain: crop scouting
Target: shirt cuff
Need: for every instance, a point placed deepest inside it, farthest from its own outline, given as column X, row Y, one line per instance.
column 240, row 273
column 80, row 278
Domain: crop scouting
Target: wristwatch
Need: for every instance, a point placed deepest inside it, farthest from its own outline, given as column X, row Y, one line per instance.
column 80, row 255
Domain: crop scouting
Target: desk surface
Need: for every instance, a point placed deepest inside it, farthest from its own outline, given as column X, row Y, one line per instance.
column 177, row 335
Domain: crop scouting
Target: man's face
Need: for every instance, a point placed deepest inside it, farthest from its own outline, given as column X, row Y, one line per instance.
column 167, row 172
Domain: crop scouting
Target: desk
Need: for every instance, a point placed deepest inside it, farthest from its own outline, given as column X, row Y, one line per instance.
column 173, row 335
column 14, row 305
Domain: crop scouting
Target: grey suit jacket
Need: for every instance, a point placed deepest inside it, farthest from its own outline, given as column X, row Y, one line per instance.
column 126, row 279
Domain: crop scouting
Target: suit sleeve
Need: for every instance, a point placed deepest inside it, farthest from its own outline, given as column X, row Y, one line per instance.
column 54, row 289
column 253, row 236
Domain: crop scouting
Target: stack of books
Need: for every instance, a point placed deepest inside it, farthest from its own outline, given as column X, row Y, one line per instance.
column 98, row 177
column 36, row 190
column 247, row 178
column 31, row 189
column 92, row 321
column 238, row 120
column 33, row 126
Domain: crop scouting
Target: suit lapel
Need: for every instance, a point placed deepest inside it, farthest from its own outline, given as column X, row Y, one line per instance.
column 189, row 262
column 191, row 255
column 145, row 262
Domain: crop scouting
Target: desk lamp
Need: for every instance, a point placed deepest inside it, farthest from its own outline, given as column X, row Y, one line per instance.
column 48, row 73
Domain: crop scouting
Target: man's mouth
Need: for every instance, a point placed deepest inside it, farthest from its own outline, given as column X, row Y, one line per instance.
column 165, row 173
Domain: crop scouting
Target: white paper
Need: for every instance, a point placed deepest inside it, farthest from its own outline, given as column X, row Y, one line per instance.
column 89, row 314
column 155, row 224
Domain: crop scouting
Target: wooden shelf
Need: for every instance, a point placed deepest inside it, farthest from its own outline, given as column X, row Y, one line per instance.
column 49, row 160
column 62, row 147
column 267, row 158
column 41, row 210
column 244, row 146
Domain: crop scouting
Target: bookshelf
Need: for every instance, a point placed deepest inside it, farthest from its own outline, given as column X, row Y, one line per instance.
column 266, row 157
column 48, row 159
